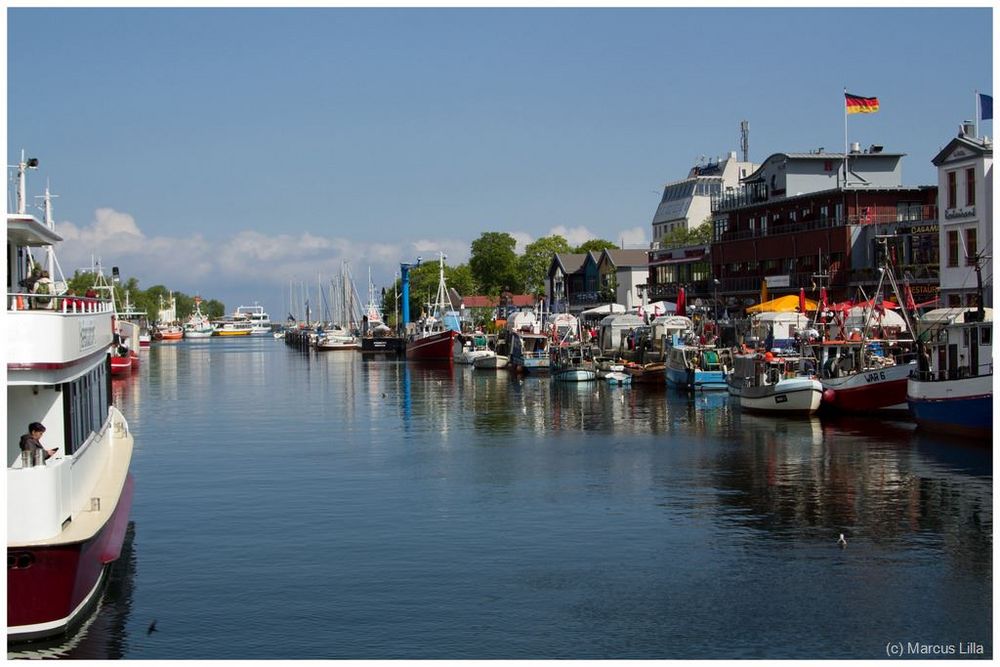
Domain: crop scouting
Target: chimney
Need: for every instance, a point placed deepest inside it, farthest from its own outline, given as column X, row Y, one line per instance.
column 967, row 129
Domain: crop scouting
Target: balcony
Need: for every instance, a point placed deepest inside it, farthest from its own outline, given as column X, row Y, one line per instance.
column 926, row 214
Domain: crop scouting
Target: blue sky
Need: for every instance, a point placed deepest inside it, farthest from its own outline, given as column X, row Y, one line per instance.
column 229, row 151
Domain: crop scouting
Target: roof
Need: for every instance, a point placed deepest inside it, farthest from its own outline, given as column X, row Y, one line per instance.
column 480, row 301
column 978, row 147
column 571, row 262
column 620, row 257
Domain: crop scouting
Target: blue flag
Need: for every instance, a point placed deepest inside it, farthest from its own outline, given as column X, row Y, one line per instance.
column 985, row 107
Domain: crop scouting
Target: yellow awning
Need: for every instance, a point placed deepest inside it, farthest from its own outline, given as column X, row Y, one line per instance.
column 784, row 304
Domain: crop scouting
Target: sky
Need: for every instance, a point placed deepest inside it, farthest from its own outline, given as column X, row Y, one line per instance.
column 234, row 152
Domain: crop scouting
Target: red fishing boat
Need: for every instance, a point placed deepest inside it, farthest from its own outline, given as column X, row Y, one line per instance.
column 435, row 335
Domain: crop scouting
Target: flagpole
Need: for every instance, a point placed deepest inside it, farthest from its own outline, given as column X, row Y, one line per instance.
column 976, row 95
column 845, row 137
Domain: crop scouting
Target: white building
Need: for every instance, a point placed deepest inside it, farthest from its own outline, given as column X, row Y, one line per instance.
column 965, row 225
column 688, row 203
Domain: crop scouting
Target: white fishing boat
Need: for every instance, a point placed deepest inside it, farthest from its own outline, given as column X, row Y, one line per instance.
column 198, row 325
column 774, row 383
column 470, row 347
column 67, row 515
column 573, row 362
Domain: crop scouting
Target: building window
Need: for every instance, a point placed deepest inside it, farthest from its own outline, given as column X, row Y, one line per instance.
column 793, row 216
column 954, row 300
column 953, row 248
column 952, row 189
column 970, row 187
column 970, row 246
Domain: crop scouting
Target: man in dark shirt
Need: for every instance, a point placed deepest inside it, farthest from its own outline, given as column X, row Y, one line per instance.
column 31, row 441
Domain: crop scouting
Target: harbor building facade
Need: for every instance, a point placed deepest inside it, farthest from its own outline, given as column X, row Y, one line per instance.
column 794, row 223
column 965, row 228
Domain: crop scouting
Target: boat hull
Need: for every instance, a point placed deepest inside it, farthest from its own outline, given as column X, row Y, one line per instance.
column 435, row 347
column 495, row 362
column 63, row 580
column 791, row 396
column 574, row 375
column 696, row 380
column 121, row 365
column 382, row 345
column 963, row 406
column 870, row 391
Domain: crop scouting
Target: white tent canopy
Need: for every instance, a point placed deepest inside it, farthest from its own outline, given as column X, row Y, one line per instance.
column 606, row 309
column 657, row 308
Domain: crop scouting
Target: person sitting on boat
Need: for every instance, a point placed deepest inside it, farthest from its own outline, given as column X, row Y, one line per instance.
column 32, row 441
column 43, row 288
column 29, row 283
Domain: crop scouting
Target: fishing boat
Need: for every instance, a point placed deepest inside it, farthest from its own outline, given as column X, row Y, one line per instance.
column 952, row 389
column 865, row 361
column 467, row 348
column 128, row 313
column 775, row 383
column 434, row 337
column 66, row 516
column 260, row 321
column 529, row 352
column 573, row 362
column 376, row 336
column 198, row 325
column 695, row 367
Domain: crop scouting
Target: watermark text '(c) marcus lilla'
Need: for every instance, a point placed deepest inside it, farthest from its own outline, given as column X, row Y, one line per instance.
column 906, row 649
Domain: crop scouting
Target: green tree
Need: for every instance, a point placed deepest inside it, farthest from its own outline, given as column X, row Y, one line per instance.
column 682, row 236
column 537, row 258
column 595, row 245
column 494, row 263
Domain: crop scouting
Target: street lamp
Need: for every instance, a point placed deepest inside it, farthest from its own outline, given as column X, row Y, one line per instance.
column 715, row 291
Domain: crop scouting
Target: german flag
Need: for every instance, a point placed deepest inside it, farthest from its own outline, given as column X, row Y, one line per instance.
column 856, row 104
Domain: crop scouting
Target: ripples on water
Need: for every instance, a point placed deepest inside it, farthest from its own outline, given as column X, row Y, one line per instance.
column 295, row 505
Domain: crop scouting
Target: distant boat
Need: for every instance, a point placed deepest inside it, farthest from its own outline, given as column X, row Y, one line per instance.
column 434, row 339
column 231, row 327
column 260, row 320
column 336, row 337
column 198, row 325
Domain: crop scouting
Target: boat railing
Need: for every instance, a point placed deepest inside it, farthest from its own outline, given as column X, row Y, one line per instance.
column 22, row 301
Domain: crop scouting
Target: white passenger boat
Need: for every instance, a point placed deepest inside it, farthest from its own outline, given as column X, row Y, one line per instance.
column 260, row 321
column 66, row 516
column 336, row 337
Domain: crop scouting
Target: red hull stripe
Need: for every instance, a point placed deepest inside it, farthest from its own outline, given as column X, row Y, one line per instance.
column 56, row 365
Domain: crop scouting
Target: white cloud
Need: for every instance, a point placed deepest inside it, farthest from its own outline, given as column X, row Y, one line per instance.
column 247, row 266
column 574, row 235
column 632, row 237
column 523, row 240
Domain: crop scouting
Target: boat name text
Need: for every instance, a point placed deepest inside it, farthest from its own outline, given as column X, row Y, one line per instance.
column 88, row 333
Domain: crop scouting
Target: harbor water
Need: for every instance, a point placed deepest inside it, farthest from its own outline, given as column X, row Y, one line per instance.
column 306, row 505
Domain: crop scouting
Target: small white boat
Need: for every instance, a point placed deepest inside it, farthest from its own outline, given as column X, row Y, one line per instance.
column 572, row 362
column 768, row 383
column 492, row 363
column 335, row 338
column 470, row 347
